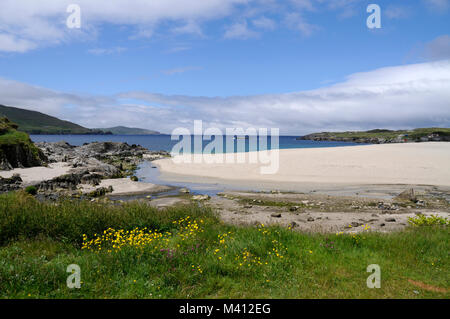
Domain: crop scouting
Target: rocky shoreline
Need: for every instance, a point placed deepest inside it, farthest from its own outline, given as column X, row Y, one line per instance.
column 400, row 138
column 87, row 164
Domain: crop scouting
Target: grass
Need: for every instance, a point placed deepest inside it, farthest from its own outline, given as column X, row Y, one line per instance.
column 33, row 122
column 186, row 252
column 11, row 141
column 388, row 134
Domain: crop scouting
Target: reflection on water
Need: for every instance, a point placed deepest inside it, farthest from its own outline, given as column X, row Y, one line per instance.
column 148, row 173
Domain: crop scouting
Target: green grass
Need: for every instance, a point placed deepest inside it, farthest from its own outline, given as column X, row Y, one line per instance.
column 11, row 138
column 39, row 240
column 33, row 122
column 387, row 134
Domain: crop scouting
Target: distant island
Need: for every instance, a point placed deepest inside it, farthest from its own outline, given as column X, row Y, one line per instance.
column 381, row 136
column 123, row 130
column 33, row 122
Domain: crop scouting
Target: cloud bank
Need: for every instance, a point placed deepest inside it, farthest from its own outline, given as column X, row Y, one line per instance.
column 409, row 96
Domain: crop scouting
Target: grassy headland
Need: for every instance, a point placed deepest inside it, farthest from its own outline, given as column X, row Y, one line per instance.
column 383, row 136
column 132, row 250
column 16, row 148
column 33, row 122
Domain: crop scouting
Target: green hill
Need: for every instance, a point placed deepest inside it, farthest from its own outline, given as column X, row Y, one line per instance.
column 33, row 122
column 122, row 130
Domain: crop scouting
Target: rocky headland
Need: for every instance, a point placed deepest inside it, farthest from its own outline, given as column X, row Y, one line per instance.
column 382, row 136
column 85, row 165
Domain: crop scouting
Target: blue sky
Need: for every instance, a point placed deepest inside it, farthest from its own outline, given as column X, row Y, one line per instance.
column 168, row 55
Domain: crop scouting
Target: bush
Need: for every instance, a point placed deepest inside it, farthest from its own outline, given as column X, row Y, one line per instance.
column 432, row 220
column 32, row 190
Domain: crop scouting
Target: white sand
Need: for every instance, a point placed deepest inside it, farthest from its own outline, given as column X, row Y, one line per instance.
column 38, row 174
column 411, row 163
column 125, row 186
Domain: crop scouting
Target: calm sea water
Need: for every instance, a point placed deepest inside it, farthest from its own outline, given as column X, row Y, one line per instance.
column 164, row 142
column 146, row 171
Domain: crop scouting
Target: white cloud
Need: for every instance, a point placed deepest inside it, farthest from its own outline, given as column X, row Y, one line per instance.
column 180, row 70
column 29, row 24
column 10, row 43
column 438, row 49
column 191, row 27
column 297, row 22
column 264, row 23
column 240, row 31
column 406, row 96
column 439, row 5
column 397, row 12
column 107, row 51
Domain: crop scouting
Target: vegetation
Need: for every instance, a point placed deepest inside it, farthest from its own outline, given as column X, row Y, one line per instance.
column 33, row 122
column 32, row 190
column 122, row 130
column 382, row 134
column 134, row 251
column 432, row 220
column 17, row 147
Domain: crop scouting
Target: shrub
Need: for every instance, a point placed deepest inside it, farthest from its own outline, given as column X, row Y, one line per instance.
column 32, row 190
column 422, row 220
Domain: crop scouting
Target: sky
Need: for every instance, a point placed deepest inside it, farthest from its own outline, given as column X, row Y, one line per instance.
column 298, row 65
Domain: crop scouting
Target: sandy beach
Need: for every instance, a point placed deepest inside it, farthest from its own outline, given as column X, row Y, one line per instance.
column 125, row 186
column 300, row 169
column 33, row 175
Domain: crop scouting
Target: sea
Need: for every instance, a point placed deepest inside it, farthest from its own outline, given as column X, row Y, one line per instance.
column 165, row 143
column 148, row 173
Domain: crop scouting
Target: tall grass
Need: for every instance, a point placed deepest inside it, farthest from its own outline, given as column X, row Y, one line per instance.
column 205, row 258
column 22, row 216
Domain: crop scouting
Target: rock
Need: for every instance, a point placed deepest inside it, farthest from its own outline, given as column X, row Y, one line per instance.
column 420, row 203
column 187, row 191
column 382, row 224
column 310, row 219
column 407, row 195
column 355, row 224
column 200, row 197
column 390, row 220
column 374, row 215
column 248, row 206
column 276, row 215
column 9, row 184
column 293, row 224
column 294, row 208
column 134, row 178
column 101, row 191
